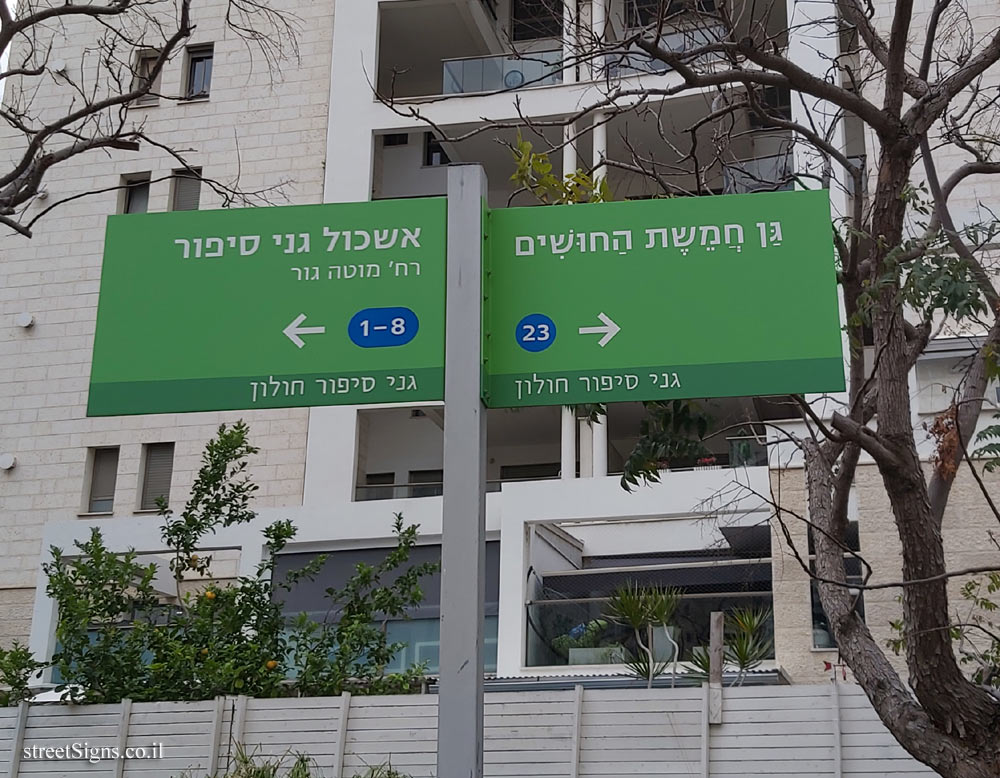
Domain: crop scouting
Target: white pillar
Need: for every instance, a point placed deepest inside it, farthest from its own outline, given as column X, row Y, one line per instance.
column 586, row 449
column 599, row 138
column 598, row 26
column 567, row 452
column 569, row 48
column 813, row 44
column 600, row 439
column 569, row 158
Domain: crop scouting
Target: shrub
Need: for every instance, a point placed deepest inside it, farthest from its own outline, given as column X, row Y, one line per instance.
column 118, row 639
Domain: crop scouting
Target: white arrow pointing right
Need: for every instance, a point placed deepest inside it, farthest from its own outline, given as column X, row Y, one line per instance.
column 609, row 330
column 293, row 330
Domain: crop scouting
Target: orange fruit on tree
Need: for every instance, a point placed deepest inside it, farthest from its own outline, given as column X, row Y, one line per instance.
column 271, row 664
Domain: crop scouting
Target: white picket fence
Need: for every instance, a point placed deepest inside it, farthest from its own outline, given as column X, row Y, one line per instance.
column 826, row 730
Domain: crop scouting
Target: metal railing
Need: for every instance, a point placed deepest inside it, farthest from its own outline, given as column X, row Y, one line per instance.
column 409, row 490
column 469, row 75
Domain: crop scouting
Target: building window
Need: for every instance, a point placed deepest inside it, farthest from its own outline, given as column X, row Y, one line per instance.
column 419, row 629
column 821, row 629
column 434, row 153
column 377, row 486
column 157, row 470
column 103, row 476
column 642, row 13
column 135, row 195
column 426, row 483
column 144, row 63
column 776, row 101
column 199, row 72
column 529, row 472
column 532, row 19
column 187, row 190
column 395, row 139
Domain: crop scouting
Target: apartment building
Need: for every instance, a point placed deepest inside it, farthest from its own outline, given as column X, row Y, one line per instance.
column 338, row 124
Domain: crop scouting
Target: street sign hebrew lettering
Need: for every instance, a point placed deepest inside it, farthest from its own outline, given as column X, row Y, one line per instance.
column 660, row 299
column 271, row 307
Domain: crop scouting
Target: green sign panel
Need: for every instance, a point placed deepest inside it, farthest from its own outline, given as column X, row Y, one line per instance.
column 660, row 299
column 271, row 307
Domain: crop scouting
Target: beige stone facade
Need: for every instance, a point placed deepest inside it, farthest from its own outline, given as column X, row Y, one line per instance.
column 277, row 121
column 967, row 529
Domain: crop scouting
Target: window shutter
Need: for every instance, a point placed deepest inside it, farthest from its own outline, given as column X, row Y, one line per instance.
column 102, row 480
column 187, row 192
column 156, row 476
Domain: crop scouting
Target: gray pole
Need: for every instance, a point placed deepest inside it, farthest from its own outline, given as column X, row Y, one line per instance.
column 463, row 523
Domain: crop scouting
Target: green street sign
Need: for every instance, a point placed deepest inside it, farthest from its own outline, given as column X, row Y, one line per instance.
column 271, row 307
column 660, row 299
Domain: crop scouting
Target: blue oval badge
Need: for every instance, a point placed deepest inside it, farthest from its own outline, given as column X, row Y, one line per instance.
column 383, row 327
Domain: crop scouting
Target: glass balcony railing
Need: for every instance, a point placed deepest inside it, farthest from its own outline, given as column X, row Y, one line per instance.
column 365, row 492
column 634, row 61
column 579, row 632
column 494, row 73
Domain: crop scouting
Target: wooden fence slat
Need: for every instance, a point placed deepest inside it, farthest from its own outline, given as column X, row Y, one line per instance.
column 118, row 769
column 574, row 764
column 345, row 712
column 17, row 742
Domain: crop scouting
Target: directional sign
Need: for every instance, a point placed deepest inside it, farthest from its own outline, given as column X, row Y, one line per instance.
column 271, row 307
column 660, row 299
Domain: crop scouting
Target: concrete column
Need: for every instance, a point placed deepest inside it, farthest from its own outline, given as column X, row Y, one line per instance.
column 586, row 449
column 569, row 157
column 567, row 451
column 569, row 47
column 600, row 440
column 599, row 138
column 813, row 44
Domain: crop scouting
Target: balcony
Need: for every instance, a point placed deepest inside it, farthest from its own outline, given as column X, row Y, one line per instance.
column 636, row 61
column 469, row 75
column 575, row 568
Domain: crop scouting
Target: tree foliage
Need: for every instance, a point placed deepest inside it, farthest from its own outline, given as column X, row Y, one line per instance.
column 117, row 637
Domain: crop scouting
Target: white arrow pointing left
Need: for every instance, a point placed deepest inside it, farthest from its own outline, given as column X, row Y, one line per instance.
column 293, row 330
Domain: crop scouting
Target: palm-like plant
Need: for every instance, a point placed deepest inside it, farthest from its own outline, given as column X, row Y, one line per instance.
column 643, row 610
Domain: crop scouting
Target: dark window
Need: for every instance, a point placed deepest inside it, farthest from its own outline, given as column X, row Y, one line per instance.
column 528, row 472
column 531, row 19
column 776, row 101
column 144, row 63
column 434, row 153
column 395, row 139
column 426, row 483
column 136, row 195
column 103, row 477
column 157, row 471
column 199, row 71
column 187, row 190
column 420, row 629
column 641, row 13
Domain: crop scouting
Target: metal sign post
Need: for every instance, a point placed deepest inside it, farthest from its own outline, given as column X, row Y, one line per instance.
column 463, row 523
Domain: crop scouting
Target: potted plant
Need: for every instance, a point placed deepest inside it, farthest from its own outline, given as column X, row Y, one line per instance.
column 647, row 611
column 585, row 644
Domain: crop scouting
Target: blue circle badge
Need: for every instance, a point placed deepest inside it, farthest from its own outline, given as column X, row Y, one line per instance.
column 535, row 332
